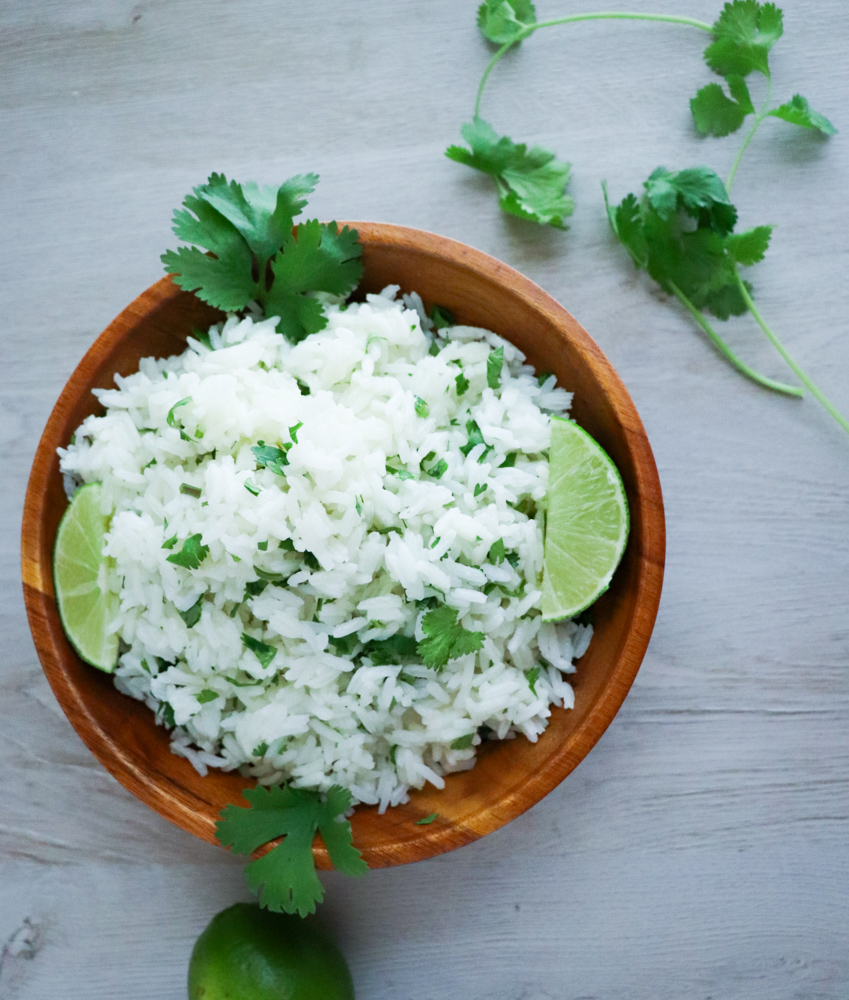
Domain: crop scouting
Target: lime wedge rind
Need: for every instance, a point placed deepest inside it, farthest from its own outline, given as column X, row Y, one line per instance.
column 85, row 609
column 587, row 523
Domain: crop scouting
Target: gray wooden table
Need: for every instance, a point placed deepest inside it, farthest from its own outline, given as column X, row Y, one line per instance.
column 702, row 849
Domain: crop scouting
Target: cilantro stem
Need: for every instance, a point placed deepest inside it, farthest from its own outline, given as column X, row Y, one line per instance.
column 782, row 350
column 750, row 135
column 573, row 18
column 624, row 16
column 726, row 352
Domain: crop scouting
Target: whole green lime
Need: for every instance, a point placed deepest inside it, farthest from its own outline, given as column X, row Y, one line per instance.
column 247, row 953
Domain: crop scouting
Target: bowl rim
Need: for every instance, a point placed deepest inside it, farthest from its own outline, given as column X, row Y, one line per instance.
column 178, row 804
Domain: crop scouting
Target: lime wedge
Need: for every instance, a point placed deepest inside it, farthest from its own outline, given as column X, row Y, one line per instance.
column 586, row 524
column 85, row 607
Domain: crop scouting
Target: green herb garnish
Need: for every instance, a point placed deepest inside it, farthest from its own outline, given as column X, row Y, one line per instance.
column 191, row 554
column 426, row 820
column 445, row 639
column 207, row 695
column 172, row 420
column 462, row 384
column 191, row 491
column 271, row 457
column 264, row 653
column 494, row 364
column 245, row 248
column 422, row 409
column 284, row 879
column 463, row 742
column 191, row 616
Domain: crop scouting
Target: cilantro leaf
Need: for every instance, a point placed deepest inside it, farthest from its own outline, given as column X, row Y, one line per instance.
column 531, row 182
column 422, row 409
column 750, row 247
column 426, row 820
column 717, row 114
column 462, row 384
column 206, row 696
column 244, row 249
column 445, row 639
column 191, row 554
column 497, row 552
column 441, row 317
column 270, row 457
column 264, row 653
column 743, row 36
column 681, row 233
column 284, row 879
column 502, row 21
column 393, row 650
column 263, row 216
column 463, row 742
column 494, row 364
column 533, row 676
column 475, row 437
column 797, row 111
column 319, row 258
column 173, row 421
column 191, row 616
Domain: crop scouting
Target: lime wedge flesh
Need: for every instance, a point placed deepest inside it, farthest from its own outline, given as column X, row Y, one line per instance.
column 586, row 525
column 85, row 607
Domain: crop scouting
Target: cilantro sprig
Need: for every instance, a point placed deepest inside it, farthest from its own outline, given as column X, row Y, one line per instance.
column 681, row 230
column 285, row 879
column 445, row 639
column 245, row 247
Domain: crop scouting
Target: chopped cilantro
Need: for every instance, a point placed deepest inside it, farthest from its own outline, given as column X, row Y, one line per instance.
column 494, row 364
column 445, row 639
column 172, row 421
column 145, row 666
column 167, row 714
column 426, row 820
column 496, row 552
column 531, row 183
column 191, row 616
column 169, row 543
column 480, row 488
column 190, row 491
column 438, row 470
column 305, row 389
column 253, row 588
column 422, row 409
column 311, row 561
column 260, row 750
column 262, row 546
column 343, row 645
column 206, row 696
column 191, row 554
column 543, row 377
column 264, row 653
column 287, row 545
column 393, row 753
column 435, row 542
column 509, row 461
column 270, row 457
column 293, row 431
column 463, row 742
column 533, row 676
column 358, row 505
column 434, row 349
column 284, row 879
column 475, row 437
column 462, row 383
column 441, row 317
column 393, row 650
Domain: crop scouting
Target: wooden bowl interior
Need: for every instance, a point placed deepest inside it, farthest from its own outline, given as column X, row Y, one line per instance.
column 509, row 776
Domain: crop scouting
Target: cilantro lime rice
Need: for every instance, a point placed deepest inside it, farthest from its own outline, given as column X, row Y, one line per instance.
column 328, row 556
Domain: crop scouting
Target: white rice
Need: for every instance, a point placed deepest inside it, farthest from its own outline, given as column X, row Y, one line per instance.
column 385, row 549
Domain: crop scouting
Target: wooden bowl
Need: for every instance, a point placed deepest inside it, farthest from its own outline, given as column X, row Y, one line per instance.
column 509, row 776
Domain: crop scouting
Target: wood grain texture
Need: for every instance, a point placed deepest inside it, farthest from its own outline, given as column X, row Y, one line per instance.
column 700, row 850
column 510, row 776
